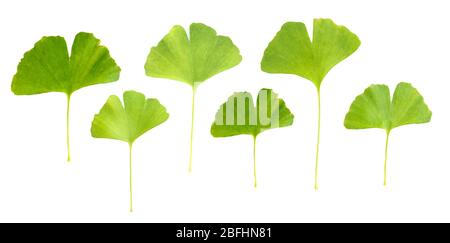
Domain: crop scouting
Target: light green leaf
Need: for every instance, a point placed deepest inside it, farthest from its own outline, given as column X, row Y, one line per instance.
column 239, row 116
column 293, row 52
column 129, row 121
column 374, row 109
column 192, row 60
column 48, row 68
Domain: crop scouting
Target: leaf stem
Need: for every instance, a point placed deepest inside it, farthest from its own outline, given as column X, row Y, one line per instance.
column 131, row 178
column 192, row 128
column 316, row 181
column 68, row 127
column 386, row 157
column 254, row 161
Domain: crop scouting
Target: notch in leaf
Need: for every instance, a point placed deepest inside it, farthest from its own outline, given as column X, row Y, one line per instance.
column 128, row 122
column 192, row 60
column 293, row 52
column 374, row 109
column 239, row 116
column 48, row 68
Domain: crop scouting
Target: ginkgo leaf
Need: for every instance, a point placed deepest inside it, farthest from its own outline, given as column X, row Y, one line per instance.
column 129, row 121
column 192, row 60
column 48, row 68
column 239, row 116
column 374, row 109
column 293, row 52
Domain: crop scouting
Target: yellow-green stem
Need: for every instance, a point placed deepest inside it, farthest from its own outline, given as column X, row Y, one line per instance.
column 192, row 128
column 254, row 161
column 316, row 181
column 68, row 127
column 131, row 178
column 386, row 157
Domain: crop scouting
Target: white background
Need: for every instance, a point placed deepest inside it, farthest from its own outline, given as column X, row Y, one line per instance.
column 401, row 41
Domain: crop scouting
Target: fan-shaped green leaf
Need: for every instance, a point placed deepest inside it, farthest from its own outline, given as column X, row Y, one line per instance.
column 129, row 121
column 192, row 60
column 374, row 109
column 293, row 52
column 48, row 68
column 239, row 116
